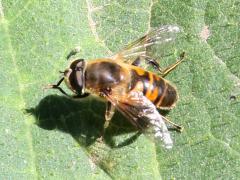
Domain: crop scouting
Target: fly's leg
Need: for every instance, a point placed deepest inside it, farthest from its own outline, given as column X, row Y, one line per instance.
column 172, row 66
column 155, row 64
column 176, row 127
column 110, row 109
column 56, row 86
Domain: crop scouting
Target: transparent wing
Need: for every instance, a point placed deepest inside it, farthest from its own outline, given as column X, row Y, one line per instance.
column 162, row 35
column 143, row 114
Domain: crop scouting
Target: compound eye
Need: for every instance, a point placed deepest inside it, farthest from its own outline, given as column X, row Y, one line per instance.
column 78, row 69
column 77, row 78
column 79, row 63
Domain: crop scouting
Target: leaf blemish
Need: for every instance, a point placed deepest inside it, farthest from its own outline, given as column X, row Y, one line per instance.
column 205, row 33
column 232, row 97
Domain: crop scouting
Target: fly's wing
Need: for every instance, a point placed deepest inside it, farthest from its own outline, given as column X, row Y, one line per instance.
column 143, row 114
column 162, row 35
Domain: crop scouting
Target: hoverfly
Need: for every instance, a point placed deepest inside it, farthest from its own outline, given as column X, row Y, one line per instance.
column 127, row 87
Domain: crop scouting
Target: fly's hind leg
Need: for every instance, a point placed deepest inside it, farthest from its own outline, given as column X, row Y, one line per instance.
column 176, row 127
column 173, row 66
column 164, row 72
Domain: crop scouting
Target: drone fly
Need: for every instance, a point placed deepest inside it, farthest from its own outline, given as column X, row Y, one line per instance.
column 128, row 87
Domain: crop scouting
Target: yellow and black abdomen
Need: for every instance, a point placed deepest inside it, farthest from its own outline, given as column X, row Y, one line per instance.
column 155, row 88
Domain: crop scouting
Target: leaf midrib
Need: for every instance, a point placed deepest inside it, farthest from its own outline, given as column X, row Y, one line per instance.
column 19, row 86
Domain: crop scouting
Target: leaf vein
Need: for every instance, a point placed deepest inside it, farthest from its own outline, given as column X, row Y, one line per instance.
column 92, row 25
column 18, row 79
column 22, row 10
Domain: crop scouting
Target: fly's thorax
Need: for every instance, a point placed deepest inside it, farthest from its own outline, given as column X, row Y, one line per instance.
column 104, row 74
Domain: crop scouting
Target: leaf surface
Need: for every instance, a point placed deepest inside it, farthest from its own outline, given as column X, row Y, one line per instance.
column 45, row 135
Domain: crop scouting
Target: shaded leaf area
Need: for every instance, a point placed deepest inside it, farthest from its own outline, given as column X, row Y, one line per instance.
column 78, row 119
column 83, row 121
column 51, row 136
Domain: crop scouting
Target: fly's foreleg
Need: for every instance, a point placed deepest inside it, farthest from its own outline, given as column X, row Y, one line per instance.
column 56, row 86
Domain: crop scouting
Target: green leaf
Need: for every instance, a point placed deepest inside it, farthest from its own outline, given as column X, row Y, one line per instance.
column 48, row 136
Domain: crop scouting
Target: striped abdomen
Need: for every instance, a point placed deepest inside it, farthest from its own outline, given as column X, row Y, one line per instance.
column 155, row 88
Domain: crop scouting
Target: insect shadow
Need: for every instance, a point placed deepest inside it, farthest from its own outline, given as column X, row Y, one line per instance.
column 83, row 119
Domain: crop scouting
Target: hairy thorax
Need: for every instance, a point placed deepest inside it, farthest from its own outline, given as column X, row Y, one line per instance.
column 105, row 74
